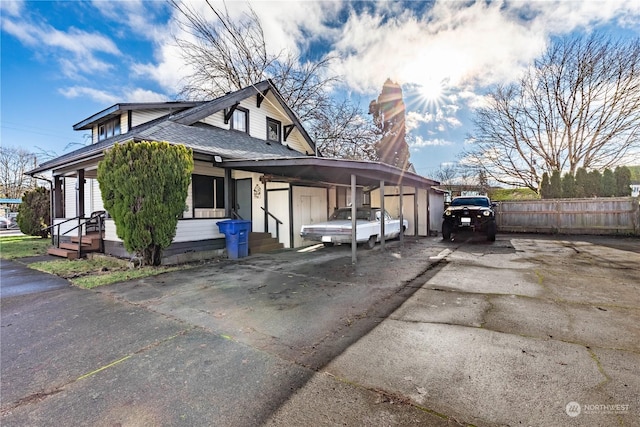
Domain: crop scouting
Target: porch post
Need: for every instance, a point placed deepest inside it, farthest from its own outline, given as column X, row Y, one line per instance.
column 416, row 217
column 80, row 193
column 354, row 211
column 382, row 224
column 228, row 188
column 58, row 211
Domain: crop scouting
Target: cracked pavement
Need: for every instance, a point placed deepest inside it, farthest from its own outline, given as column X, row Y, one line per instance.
column 511, row 333
column 430, row 333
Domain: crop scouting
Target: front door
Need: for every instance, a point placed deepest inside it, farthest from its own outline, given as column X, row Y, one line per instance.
column 243, row 198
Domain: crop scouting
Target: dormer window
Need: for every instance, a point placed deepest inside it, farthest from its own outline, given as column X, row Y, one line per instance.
column 274, row 129
column 109, row 129
column 240, row 120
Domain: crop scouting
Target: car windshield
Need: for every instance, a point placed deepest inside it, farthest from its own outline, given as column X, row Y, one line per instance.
column 471, row 201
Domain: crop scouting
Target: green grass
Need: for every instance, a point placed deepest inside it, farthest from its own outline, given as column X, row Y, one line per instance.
column 85, row 273
column 12, row 247
column 98, row 271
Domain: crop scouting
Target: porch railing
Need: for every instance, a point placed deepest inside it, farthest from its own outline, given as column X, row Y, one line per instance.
column 278, row 223
column 94, row 222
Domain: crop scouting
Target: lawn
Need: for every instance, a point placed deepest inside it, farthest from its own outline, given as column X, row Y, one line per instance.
column 86, row 273
column 98, row 270
column 12, row 247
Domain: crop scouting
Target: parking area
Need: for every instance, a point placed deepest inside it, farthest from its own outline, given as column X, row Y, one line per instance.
column 515, row 332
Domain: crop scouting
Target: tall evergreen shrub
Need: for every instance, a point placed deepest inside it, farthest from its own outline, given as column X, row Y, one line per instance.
column 144, row 188
column 555, row 186
column 34, row 213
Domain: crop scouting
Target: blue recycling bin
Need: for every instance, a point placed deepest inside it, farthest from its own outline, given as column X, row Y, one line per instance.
column 236, row 236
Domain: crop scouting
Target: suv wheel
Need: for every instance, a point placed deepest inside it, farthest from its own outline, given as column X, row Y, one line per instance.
column 446, row 231
column 491, row 232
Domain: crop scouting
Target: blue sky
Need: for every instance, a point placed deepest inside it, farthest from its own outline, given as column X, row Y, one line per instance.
column 63, row 61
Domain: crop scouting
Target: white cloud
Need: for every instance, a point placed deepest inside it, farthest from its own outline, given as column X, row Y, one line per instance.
column 420, row 142
column 143, row 95
column 108, row 97
column 100, row 96
column 459, row 43
column 442, row 119
column 11, row 7
column 74, row 49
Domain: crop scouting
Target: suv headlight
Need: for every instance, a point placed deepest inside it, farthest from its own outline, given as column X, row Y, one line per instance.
column 447, row 212
column 486, row 213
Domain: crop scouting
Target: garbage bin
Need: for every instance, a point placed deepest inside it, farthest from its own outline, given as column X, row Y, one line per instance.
column 236, row 235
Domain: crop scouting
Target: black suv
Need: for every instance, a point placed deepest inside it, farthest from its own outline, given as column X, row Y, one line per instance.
column 474, row 213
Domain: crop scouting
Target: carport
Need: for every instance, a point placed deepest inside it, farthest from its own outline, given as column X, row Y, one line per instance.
column 353, row 173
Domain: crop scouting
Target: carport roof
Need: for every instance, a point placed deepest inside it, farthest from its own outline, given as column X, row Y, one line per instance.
column 333, row 171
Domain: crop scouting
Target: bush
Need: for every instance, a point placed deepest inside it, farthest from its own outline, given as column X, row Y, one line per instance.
column 144, row 188
column 34, row 213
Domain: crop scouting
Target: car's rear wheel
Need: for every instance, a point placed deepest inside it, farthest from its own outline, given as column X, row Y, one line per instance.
column 327, row 244
column 371, row 242
column 446, row 231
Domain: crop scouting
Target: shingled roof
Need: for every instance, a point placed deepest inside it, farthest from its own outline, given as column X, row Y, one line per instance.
column 184, row 128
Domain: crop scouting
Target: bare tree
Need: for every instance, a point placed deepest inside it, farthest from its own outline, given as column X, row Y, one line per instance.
column 14, row 162
column 226, row 54
column 578, row 105
column 345, row 133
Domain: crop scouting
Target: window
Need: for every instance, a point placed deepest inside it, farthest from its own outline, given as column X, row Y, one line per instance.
column 273, row 130
column 208, row 191
column 240, row 120
column 109, row 129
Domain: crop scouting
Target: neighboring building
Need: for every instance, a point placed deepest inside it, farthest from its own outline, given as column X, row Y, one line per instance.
column 635, row 189
column 253, row 160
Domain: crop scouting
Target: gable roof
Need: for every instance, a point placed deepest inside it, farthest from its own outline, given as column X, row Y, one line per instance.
column 116, row 109
column 184, row 128
column 195, row 114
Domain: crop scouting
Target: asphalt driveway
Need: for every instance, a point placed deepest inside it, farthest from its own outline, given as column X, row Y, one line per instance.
column 516, row 332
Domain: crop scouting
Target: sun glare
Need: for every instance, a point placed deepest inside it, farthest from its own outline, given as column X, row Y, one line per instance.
column 431, row 91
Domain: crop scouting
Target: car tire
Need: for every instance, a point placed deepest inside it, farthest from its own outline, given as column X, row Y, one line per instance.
column 327, row 244
column 446, row 231
column 491, row 232
column 371, row 242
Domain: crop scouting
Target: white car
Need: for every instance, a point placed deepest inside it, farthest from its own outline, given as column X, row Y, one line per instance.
column 368, row 227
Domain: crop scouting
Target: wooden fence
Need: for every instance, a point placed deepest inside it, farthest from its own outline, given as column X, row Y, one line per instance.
column 615, row 215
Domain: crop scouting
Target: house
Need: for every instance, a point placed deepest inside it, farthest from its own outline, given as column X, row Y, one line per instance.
column 253, row 160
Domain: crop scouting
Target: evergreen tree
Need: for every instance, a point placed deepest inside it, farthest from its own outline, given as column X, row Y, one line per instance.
column 594, row 184
column 608, row 183
column 581, row 182
column 623, row 181
column 555, row 186
column 545, row 186
column 389, row 116
column 144, row 188
column 568, row 186
column 34, row 213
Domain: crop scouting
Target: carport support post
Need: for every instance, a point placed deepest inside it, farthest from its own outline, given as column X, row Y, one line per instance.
column 401, row 216
column 354, row 211
column 382, row 214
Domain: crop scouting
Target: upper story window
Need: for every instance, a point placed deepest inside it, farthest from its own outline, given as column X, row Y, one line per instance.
column 109, row 129
column 274, row 129
column 240, row 120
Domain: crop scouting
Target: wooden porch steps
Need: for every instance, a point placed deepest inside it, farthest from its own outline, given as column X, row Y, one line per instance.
column 262, row 243
column 90, row 243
